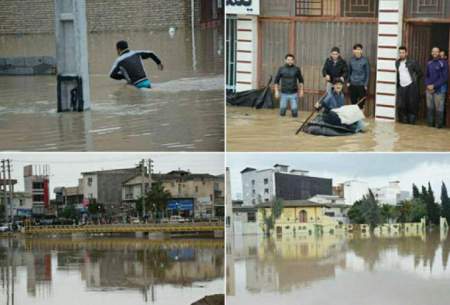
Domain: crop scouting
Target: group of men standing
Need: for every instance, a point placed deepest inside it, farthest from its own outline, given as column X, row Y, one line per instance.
column 409, row 76
column 289, row 83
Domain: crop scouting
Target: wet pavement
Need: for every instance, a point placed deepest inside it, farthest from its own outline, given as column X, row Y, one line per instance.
column 184, row 111
column 109, row 271
column 337, row 270
column 264, row 130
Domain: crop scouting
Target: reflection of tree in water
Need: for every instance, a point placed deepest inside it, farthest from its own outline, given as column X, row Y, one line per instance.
column 156, row 261
column 423, row 251
column 445, row 251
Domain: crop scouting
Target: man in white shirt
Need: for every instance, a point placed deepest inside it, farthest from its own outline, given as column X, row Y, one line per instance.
column 408, row 75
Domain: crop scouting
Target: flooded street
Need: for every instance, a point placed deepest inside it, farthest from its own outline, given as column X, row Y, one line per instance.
column 184, row 111
column 109, row 271
column 336, row 270
column 264, row 130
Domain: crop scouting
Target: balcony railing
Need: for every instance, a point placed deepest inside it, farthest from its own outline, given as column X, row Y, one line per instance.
column 428, row 9
column 342, row 8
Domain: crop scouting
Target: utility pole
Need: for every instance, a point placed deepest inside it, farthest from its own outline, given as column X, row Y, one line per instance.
column 143, row 188
column 8, row 162
column 4, row 186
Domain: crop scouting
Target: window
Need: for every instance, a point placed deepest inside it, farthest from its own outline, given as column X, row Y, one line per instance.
column 196, row 189
column 253, row 182
column 266, row 181
column 330, row 214
column 343, row 8
column 38, row 185
column 253, row 201
column 303, row 216
column 266, row 191
column 38, row 198
column 266, row 200
column 253, row 192
column 251, row 217
column 90, row 181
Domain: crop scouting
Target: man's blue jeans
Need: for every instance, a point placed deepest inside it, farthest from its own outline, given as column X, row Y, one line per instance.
column 435, row 109
column 293, row 100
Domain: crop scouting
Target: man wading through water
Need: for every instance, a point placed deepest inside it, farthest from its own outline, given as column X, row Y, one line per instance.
column 358, row 75
column 129, row 65
column 408, row 75
column 291, row 85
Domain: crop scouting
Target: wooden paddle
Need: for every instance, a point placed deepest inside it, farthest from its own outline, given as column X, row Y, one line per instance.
column 317, row 110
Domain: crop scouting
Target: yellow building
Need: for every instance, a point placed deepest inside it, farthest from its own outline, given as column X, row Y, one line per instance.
column 298, row 217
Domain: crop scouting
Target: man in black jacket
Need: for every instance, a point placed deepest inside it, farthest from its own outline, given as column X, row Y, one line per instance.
column 129, row 65
column 408, row 75
column 334, row 68
column 291, row 80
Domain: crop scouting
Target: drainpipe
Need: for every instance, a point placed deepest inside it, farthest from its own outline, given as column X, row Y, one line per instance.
column 194, row 51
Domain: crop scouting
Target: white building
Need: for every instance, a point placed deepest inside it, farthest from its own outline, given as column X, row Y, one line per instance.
column 355, row 190
column 132, row 188
column 391, row 193
column 22, row 204
column 37, row 186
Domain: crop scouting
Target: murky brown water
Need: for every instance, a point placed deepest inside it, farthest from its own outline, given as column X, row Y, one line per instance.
column 265, row 130
column 184, row 111
column 335, row 270
column 109, row 271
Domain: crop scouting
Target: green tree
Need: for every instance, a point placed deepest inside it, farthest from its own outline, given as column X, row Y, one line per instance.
column 445, row 202
column 155, row 200
column 69, row 212
column 371, row 211
column 355, row 213
column 95, row 209
column 433, row 209
column 276, row 211
column 415, row 191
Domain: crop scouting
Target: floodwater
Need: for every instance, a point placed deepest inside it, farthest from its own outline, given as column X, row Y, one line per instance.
column 336, row 270
column 184, row 111
column 264, row 130
column 109, row 271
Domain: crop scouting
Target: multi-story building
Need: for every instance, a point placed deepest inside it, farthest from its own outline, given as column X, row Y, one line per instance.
column 391, row 193
column 261, row 32
column 105, row 187
column 37, row 185
column 355, row 190
column 278, row 182
column 132, row 190
column 206, row 190
column 70, row 196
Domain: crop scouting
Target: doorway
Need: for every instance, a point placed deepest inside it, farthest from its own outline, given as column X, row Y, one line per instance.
column 421, row 38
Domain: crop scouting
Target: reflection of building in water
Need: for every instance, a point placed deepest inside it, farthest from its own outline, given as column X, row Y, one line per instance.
column 288, row 263
column 39, row 272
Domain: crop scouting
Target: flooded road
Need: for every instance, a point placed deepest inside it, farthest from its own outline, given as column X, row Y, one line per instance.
column 335, row 270
column 264, row 130
column 183, row 112
column 109, row 271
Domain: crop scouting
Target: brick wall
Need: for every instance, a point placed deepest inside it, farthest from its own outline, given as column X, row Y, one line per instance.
column 37, row 16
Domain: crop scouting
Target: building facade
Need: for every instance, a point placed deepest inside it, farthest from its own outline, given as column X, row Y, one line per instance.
column 207, row 191
column 391, row 194
column 36, row 180
column 279, row 182
column 355, row 190
column 258, row 38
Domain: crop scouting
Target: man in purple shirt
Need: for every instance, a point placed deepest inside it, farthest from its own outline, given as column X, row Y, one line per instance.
column 436, row 82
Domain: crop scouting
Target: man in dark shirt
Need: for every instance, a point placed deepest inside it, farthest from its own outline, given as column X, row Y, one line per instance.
column 436, row 82
column 335, row 67
column 129, row 65
column 358, row 75
column 291, row 80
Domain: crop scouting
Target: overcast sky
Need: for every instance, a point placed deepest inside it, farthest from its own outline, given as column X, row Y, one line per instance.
column 376, row 169
column 66, row 168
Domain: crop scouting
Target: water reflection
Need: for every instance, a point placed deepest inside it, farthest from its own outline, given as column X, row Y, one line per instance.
column 247, row 127
column 184, row 111
column 114, row 270
column 339, row 270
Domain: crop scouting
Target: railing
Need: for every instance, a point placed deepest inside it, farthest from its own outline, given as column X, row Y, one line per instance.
column 428, row 9
column 342, row 8
column 117, row 228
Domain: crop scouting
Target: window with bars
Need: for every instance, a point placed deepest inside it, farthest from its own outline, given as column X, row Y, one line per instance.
column 344, row 8
column 428, row 8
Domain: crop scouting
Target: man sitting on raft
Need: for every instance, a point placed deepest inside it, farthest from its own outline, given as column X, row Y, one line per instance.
column 129, row 65
column 335, row 113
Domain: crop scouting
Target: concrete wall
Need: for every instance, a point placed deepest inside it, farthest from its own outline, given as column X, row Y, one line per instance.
column 260, row 195
column 37, row 16
column 34, row 65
